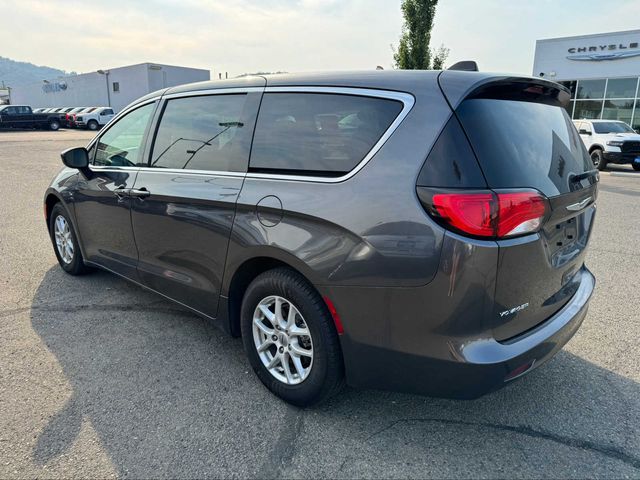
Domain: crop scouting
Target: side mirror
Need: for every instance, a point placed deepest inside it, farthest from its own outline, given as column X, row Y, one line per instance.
column 584, row 132
column 76, row 157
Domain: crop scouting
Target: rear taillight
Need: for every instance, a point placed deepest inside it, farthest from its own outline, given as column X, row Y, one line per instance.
column 487, row 213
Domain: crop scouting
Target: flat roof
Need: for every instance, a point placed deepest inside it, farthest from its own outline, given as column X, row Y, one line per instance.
column 604, row 34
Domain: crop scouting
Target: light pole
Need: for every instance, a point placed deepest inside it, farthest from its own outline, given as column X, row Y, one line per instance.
column 106, row 76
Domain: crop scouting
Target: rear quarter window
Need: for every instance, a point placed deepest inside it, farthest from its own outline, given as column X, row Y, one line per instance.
column 317, row 133
column 524, row 144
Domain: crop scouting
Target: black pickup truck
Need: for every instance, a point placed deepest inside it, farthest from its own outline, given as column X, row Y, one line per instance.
column 21, row 116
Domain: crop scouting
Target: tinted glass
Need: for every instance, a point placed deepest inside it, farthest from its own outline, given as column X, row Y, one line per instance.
column 591, row 88
column 618, row 110
column 611, row 127
column 318, row 133
column 121, row 145
column 524, row 144
column 587, row 109
column 622, row 88
column 203, row 133
column 451, row 162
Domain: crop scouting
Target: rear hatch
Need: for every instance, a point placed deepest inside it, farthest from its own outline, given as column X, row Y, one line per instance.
column 523, row 139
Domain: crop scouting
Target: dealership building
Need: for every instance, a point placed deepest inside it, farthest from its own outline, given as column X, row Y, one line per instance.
column 602, row 71
column 116, row 87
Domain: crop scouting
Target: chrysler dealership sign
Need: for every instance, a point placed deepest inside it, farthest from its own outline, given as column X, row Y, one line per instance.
column 596, row 53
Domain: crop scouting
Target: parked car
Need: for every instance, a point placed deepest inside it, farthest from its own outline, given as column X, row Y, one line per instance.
column 610, row 141
column 71, row 119
column 94, row 119
column 21, row 116
column 333, row 247
column 67, row 118
column 39, row 110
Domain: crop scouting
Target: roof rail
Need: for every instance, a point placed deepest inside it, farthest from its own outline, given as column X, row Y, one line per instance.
column 465, row 66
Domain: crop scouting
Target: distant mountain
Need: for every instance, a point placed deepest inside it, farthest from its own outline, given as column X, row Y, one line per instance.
column 14, row 73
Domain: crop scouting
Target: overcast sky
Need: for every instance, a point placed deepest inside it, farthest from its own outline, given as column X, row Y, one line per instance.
column 242, row 36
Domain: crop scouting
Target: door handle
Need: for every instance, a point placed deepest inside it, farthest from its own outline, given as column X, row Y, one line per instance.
column 139, row 192
column 121, row 192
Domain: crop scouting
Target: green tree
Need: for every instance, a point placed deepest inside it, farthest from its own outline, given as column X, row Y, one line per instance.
column 413, row 52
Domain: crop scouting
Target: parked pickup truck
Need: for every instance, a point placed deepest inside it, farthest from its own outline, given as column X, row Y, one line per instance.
column 95, row 118
column 610, row 141
column 21, row 116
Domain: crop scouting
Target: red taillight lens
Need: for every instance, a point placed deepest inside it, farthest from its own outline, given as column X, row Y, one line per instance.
column 520, row 212
column 487, row 213
column 469, row 212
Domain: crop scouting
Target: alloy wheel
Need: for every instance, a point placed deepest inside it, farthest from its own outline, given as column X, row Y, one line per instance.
column 64, row 241
column 282, row 340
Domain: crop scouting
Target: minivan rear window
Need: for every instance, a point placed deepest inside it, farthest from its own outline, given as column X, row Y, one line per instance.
column 525, row 144
column 318, row 133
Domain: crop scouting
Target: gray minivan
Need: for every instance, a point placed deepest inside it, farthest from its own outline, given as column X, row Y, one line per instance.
column 420, row 231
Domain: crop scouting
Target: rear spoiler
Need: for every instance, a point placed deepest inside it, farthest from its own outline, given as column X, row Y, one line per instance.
column 459, row 85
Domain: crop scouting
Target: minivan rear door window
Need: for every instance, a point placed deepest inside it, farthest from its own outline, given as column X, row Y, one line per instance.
column 322, row 134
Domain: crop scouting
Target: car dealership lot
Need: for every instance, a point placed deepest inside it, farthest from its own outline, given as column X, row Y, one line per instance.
column 101, row 378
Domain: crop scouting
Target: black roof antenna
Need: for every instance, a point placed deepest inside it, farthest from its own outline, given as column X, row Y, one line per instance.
column 465, row 66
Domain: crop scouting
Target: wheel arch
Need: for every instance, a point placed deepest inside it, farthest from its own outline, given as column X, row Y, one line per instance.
column 239, row 281
column 595, row 146
column 50, row 200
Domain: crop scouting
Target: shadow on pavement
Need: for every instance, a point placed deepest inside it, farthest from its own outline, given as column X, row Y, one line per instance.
column 170, row 395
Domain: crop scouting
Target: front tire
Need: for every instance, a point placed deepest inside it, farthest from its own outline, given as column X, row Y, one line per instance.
column 290, row 338
column 92, row 125
column 65, row 242
column 597, row 157
column 636, row 166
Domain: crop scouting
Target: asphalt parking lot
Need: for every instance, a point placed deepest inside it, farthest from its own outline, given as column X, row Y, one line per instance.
column 99, row 378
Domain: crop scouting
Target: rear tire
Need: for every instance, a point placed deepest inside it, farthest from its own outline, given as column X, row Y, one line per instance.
column 65, row 241
column 92, row 125
column 300, row 379
column 598, row 160
column 54, row 125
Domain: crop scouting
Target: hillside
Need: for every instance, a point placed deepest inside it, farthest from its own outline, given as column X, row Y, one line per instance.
column 14, row 73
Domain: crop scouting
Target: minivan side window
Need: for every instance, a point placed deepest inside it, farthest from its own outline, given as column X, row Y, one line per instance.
column 121, row 145
column 323, row 134
column 207, row 132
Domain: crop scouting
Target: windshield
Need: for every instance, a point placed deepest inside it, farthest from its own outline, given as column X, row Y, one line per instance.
column 612, row 127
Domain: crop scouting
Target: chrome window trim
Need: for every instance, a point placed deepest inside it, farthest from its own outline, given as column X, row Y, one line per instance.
column 407, row 100
column 212, row 91
column 217, row 173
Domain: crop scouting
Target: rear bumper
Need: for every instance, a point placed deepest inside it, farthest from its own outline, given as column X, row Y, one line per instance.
column 467, row 367
column 619, row 157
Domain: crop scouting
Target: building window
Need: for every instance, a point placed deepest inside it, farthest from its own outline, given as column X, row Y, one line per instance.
column 622, row 88
column 116, row 86
column 618, row 110
column 588, row 109
column 588, row 89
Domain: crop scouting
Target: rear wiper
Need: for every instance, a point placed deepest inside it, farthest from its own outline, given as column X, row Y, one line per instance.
column 581, row 176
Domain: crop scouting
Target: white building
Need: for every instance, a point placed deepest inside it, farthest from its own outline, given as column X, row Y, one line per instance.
column 601, row 70
column 116, row 87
